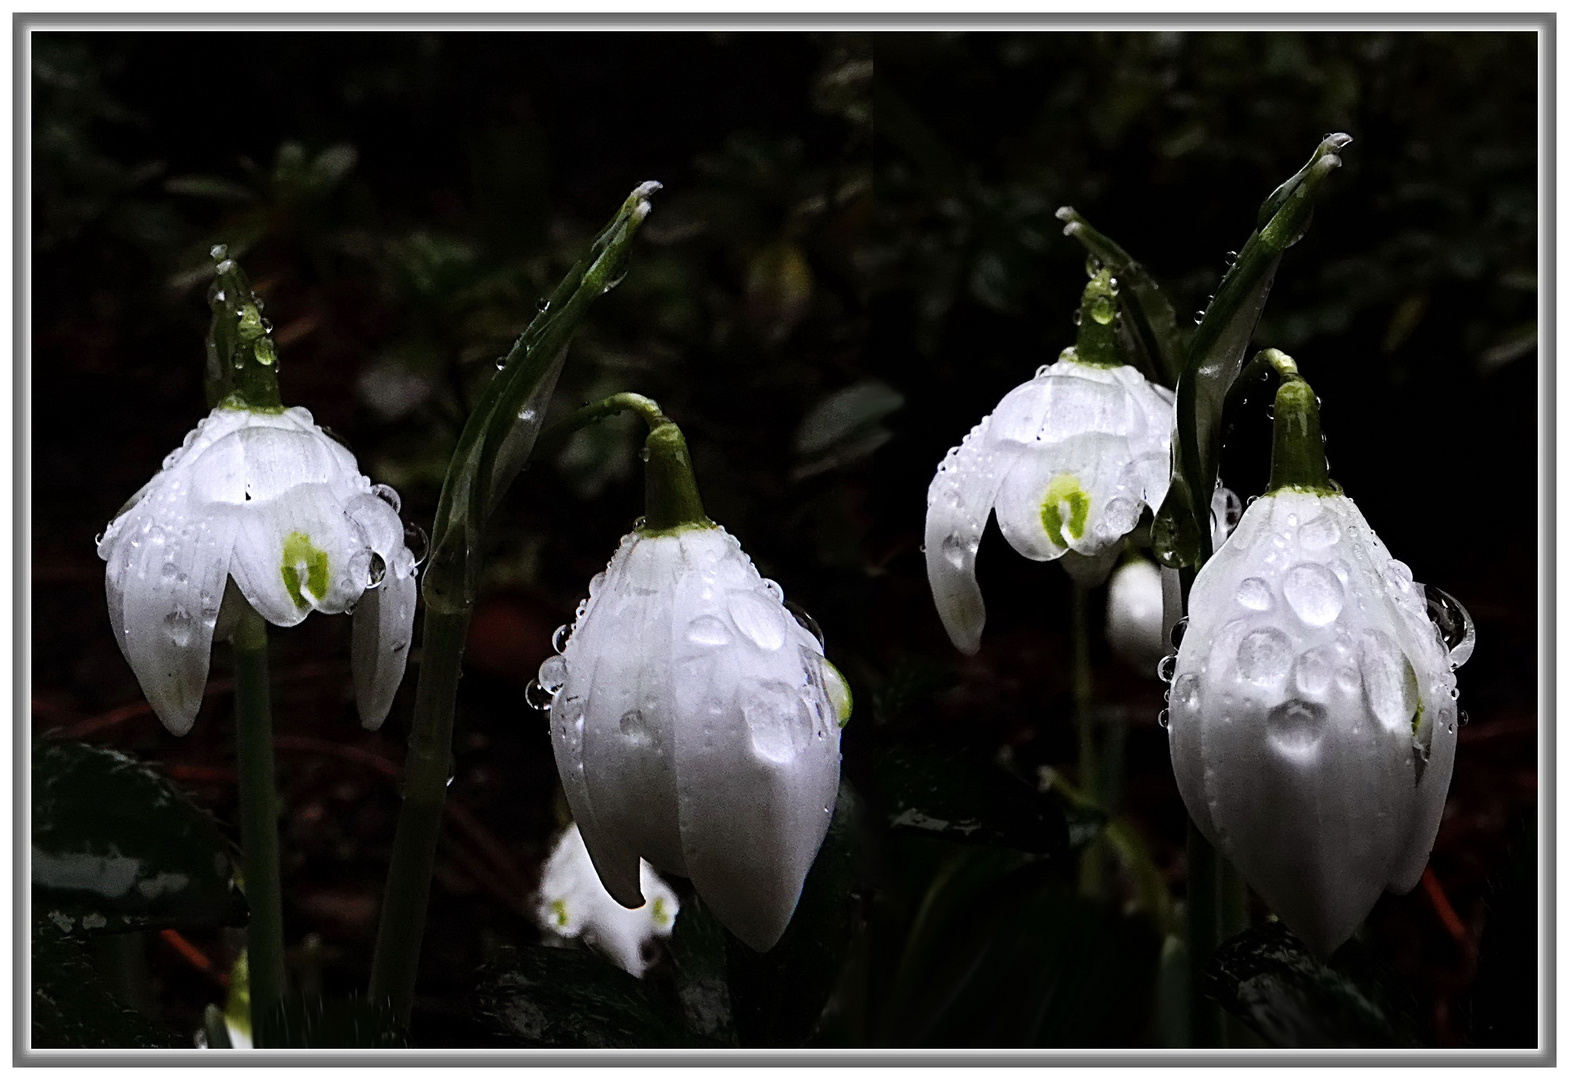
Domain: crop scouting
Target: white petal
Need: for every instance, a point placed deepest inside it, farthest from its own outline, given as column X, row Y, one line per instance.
column 165, row 580
column 300, row 552
column 384, row 617
column 1076, row 494
column 958, row 503
column 757, row 759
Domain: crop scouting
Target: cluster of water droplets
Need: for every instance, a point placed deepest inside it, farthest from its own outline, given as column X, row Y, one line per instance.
column 1293, row 642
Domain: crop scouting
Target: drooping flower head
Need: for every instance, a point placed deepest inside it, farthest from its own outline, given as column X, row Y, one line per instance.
column 1313, row 712
column 1068, row 461
column 695, row 720
column 262, row 505
column 572, row 903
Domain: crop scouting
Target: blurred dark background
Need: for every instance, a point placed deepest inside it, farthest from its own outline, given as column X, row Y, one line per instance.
column 402, row 200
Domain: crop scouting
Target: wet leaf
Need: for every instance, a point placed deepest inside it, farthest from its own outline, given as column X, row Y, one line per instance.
column 116, row 847
column 563, row 997
column 73, row 1008
column 1293, row 999
column 946, row 795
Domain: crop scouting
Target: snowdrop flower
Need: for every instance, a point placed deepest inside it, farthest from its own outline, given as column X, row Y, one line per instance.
column 260, row 504
column 1313, row 713
column 695, row 721
column 1068, row 461
column 572, row 903
column 1135, row 614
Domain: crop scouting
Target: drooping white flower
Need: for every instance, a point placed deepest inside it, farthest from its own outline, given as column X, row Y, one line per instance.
column 265, row 502
column 1136, row 613
column 1068, row 460
column 1313, row 712
column 572, row 903
column 696, row 725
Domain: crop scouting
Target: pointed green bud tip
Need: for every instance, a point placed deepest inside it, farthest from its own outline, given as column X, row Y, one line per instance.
column 672, row 502
column 242, row 360
column 1097, row 318
column 1297, row 460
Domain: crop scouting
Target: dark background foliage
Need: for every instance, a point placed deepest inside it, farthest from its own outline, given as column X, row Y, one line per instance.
column 402, row 200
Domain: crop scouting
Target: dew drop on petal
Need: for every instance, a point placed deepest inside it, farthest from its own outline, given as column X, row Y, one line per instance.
column 1166, row 668
column 388, row 496
column 634, row 728
column 1185, row 691
column 1454, row 624
column 757, row 617
column 709, row 630
column 1314, row 592
column 776, row 720
column 558, row 640
column 1164, row 719
column 376, row 571
column 538, row 698
column 1388, row 680
column 955, row 550
column 1314, row 671
column 180, row 626
column 596, row 583
column 552, row 673
column 773, row 589
column 1264, row 655
column 1254, row 594
column 417, row 542
column 1295, row 728
column 1178, row 630
column 1120, row 516
column 808, row 623
column 170, row 571
column 1320, row 532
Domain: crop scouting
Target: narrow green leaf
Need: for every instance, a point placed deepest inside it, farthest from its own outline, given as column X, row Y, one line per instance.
column 1293, row 999
column 565, row 997
column 116, row 847
column 1214, row 357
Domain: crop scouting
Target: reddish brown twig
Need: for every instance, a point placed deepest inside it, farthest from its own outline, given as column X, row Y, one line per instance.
column 194, row 956
column 1445, row 911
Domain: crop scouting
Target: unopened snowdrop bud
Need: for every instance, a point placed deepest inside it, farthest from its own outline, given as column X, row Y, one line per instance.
column 1068, row 460
column 1135, row 615
column 257, row 503
column 1313, row 708
column 572, row 903
column 695, row 719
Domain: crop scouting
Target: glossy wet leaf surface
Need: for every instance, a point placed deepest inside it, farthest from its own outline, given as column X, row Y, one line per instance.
column 1294, row 999
column 117, row 847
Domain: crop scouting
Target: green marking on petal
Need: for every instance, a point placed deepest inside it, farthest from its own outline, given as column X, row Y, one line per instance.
column 1416, row 717
column 304, row 569
column 838, row 693
column 661, row 916
column 559, row 909
column 1065, row 504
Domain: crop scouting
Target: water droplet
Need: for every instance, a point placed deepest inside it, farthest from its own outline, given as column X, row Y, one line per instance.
column 558, row 640
column 180, row 626
column 1295, row 728
column 1254, row 594
column 552, row 673
column 1179, row 630
column 389, row 496
column 544, row 305
column 1314, row 670
column 759, row 617
column 219, row 252
column 776, row 719
column 807, row 622
column 634, row 728
column 708, row 630
column 99, row 539
column 1092, row 266
column 1230, row 257
column 1320, row 532
column 1185, row 691
column 1465, row 718
column 956, row 550
column 1040, row 373
column 596, row 583
column 538, row 698
column 1454, row 693
column 1166, row 668
column 1198, row 317
column 417, row 542
column 375, row 571
column 1455, row 628
column 1314, row 592
column 1264, row 656
column 156, row 534
column 501, row 364
column 1078, row 316
column 1388, row 680
column 1164, row 719
column 170, row 571
column 773, row 589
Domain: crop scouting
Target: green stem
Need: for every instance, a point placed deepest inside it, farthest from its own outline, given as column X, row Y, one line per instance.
column 672, row 501
column 1297, row 459
column 242, row 361
column 258, row 814
column 426, row 771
